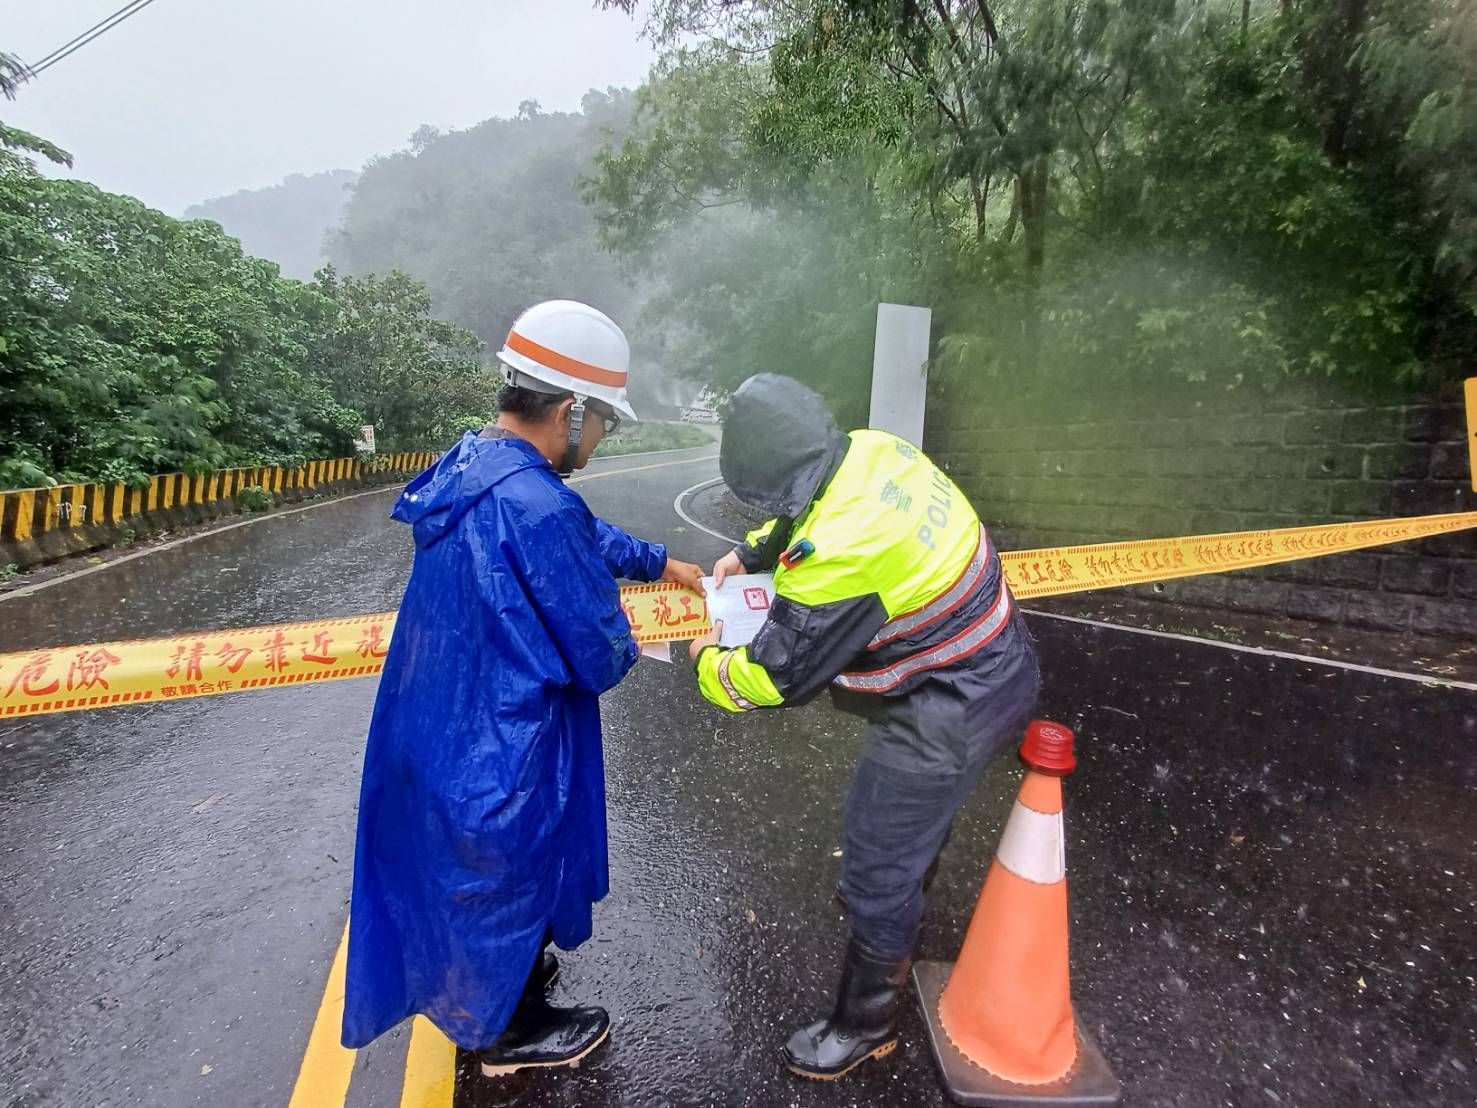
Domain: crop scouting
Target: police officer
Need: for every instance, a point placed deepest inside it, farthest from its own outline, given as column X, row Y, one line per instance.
column 888, row 592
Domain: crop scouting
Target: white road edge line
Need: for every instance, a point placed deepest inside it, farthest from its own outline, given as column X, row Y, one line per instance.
column 30, row 590
column 599, row 473
column 1419, row 678
column 684, row 494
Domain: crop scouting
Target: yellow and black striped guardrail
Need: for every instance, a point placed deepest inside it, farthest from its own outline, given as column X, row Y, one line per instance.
column 43, row 524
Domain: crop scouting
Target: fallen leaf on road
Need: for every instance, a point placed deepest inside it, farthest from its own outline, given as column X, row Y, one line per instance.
column 205, row 1069
column 207, row 802
column 752, row 917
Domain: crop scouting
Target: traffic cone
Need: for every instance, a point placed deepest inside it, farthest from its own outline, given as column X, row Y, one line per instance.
column 1000, row 1019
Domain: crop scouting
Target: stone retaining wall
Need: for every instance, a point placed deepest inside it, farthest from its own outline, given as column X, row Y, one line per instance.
column 1065, row 470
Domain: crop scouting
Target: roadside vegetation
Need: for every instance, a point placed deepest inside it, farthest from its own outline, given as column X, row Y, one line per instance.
column 1091, row 194
column 650, row 435
column 132, row 343
column 1106, row 193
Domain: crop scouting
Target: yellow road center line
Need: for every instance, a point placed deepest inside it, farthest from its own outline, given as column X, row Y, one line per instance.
column 323, row 1078
column 430, row 1067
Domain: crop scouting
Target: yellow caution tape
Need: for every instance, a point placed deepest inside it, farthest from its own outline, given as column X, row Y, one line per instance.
column 66, row 679
column 1068, row 569
column 100, row 675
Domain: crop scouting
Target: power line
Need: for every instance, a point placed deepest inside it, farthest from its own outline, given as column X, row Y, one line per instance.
column 84, row 34
column 96, row 31
column 124, row 13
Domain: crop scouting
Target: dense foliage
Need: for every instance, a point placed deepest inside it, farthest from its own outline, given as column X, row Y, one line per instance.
column 415, row 377
column 132, row 343
column 490, row 218
column 1099, row 191
column 1100, row 194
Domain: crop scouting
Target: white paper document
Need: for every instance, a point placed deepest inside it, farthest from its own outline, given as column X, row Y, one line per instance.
column 742, row 604
column 657, row 651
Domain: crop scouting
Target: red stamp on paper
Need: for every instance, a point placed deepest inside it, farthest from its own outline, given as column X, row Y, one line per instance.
column 757, row 600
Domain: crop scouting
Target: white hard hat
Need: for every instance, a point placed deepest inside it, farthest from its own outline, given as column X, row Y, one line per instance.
column 570, row 346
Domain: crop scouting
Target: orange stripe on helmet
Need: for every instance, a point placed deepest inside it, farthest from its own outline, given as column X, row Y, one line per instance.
column 572, row 366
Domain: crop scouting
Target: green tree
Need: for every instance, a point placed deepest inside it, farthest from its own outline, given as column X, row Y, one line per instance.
column 1416, row 120
column 770, row 234
column 489, row 218
column 132, row 343
column 13, row 73
column 986, row 102
column 416, row 378
column 492, row 220
column 1236, row 191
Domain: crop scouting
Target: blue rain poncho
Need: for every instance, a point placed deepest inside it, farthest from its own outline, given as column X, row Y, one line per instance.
column 482, row 808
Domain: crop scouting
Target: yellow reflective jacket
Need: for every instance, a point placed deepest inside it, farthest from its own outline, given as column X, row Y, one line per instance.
column 903, row 583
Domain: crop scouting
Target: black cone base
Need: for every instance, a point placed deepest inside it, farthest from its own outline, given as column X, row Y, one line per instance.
column 1091, row 1083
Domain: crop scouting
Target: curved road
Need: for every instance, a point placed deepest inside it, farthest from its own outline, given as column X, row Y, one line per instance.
column 1272, row 863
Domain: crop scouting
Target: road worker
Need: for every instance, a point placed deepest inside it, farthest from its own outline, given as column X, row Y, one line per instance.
column 888, row 592
column 482, row 830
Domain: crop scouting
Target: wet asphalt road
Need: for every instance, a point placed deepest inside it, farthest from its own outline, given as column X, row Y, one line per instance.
column 1272, row 864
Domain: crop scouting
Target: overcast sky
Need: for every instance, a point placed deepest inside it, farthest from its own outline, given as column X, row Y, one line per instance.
column 191, row 99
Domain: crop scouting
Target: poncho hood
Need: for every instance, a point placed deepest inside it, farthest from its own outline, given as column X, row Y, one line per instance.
column 780, row 442
column 434, row 502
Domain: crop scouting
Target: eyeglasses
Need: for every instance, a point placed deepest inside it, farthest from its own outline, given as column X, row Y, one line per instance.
column 612, row 420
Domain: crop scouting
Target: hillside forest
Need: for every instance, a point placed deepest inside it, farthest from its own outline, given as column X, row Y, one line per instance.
column 1099, row 194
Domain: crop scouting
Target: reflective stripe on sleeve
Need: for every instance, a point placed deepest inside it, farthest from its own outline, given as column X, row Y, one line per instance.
column 728, row 687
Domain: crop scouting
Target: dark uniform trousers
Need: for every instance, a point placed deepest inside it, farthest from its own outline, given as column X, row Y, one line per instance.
column 925, row 753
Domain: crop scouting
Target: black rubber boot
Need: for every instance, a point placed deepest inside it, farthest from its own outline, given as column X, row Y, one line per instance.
column 864, row 1023
column 540, row 1034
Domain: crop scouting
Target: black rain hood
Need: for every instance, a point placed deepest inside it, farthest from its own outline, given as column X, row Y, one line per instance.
column 780, row 443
